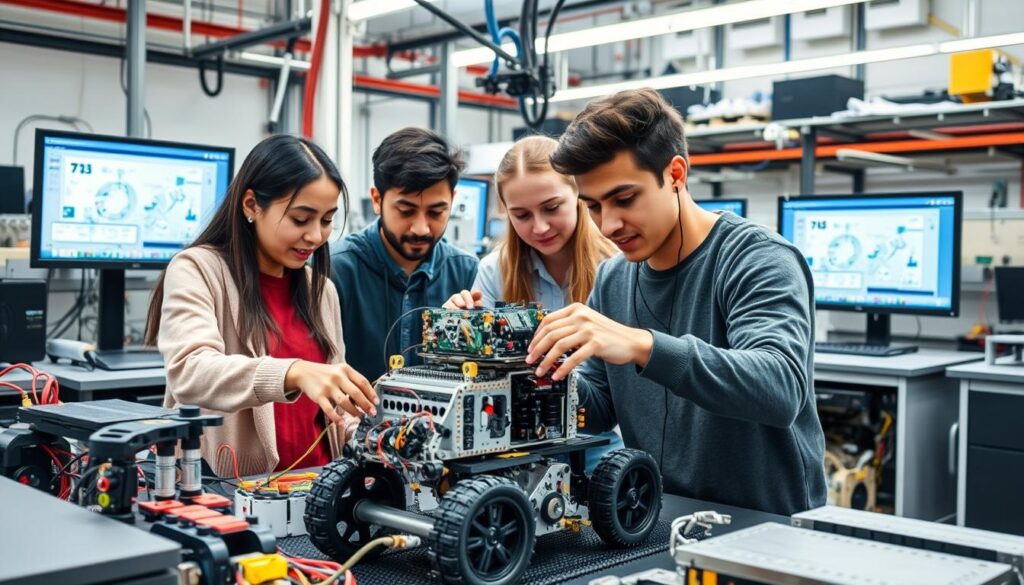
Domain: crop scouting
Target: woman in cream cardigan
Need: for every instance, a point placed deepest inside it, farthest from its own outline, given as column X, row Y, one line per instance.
column 249, row 329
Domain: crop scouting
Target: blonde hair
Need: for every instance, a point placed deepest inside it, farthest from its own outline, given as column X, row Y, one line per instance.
column 532, row 155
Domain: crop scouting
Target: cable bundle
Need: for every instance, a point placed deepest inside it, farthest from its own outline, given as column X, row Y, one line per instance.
column 49, row 393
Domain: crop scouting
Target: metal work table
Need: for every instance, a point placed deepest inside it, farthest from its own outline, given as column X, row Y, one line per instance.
column 78, row 384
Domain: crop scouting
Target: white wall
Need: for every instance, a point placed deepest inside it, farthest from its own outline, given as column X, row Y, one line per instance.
column 51, row 82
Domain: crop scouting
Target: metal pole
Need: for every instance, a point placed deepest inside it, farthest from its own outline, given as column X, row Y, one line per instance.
column 346, row 101
column 718, row 41
column 187, row 26
column 370, row 512
column 970, row 24
column 449, row 103
column 860, row 37
column 135, row 54
column 807, row 161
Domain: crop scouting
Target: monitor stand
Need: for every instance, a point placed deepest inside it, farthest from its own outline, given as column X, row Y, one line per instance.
column 878, row 342
column 110, row 353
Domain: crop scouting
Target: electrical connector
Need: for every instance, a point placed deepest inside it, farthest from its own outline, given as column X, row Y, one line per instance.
column 405, row 541
column 684, row 526
column 263, row 568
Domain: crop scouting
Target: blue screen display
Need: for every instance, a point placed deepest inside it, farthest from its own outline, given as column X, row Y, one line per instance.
column 467, row 224
column 117, row 202
column 737, row 206
column 887, row 253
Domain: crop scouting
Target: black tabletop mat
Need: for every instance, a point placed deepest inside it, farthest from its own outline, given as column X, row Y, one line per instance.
column 557, row 558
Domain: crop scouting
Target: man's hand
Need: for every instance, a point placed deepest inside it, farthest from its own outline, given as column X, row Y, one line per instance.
column 465, row 300
column 591, row 334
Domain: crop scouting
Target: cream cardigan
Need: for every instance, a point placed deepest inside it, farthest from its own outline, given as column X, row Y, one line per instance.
column 210, row 366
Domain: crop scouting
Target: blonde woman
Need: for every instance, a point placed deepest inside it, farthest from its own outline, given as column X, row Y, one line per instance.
column 552, row 248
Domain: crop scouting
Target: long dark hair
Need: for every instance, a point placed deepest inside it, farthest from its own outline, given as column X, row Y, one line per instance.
column 279, row 166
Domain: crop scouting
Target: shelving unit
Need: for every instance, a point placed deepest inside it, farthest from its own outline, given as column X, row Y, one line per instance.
column 937, row 129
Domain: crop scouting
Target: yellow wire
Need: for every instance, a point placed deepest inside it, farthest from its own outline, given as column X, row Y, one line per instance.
column 273, row 478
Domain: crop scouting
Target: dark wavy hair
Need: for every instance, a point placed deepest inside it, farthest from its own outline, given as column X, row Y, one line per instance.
column 413, row 159
column 638, row 120
column 278, row 167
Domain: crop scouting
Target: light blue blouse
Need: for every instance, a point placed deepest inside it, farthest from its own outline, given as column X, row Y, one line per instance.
column 551, row 295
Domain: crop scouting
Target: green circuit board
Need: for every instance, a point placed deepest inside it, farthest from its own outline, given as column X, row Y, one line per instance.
column 500, row 333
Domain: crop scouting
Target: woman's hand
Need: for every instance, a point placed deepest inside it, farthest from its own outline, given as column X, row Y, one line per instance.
column 465, row 300
column 332, row 386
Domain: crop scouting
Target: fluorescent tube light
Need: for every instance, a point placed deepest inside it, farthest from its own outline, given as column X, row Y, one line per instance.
column 366, row 9
column 976, row 43
column 750, row 71
column 659, row 25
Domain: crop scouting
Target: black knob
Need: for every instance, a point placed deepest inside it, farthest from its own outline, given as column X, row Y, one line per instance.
column 204, row 530
column 189, row 411
column 252, row 520
column 171, row 518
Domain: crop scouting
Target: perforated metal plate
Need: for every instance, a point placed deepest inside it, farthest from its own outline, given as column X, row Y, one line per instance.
column 556, row 558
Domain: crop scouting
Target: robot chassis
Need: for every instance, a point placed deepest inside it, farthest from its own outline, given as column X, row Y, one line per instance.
column 490, row 440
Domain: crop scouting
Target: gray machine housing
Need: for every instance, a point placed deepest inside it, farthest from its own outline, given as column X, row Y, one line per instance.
column 776, row 553
column 956, row 540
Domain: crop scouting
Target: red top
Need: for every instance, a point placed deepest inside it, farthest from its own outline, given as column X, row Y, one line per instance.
column 299, row 423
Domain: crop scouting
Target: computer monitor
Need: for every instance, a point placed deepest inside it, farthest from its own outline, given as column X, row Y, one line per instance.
column 112, row 203
column 879, row 254
column 12, row 190
column 1009, row 284
column 737, row 206
column 467, row 224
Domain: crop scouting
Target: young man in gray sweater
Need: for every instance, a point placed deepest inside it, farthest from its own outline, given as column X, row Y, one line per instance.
column 698, row 340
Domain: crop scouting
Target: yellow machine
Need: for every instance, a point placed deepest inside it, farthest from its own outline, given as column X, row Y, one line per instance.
column 980, row 76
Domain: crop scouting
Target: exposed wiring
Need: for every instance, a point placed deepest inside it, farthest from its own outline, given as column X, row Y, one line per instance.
column 234, row 459
column 72, row 121
column 219, row 62
column 323, row 433
column 395, row 324
column 684, row 528
column 47, row 393
column 395, row 541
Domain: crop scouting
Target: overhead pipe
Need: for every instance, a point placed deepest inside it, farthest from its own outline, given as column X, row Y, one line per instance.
column 173, row 24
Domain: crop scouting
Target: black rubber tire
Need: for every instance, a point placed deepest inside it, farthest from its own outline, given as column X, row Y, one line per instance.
column 625, row 497
column 475, row 507
column 329, row 516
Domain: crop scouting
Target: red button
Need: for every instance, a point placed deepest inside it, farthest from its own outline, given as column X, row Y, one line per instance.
column 24, row 479
column 489, row 409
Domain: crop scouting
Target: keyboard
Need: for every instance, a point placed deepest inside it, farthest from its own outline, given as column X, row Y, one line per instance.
column 864, row 349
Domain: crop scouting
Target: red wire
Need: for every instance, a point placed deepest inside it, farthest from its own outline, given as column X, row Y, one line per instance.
column 350, row 579
column 50, row 390
column 234, row 459
column 313, row 76
column 60, row 465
